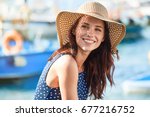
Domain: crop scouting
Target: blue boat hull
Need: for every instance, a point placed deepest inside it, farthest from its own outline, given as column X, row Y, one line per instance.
column 23, row 66
column 133, row 33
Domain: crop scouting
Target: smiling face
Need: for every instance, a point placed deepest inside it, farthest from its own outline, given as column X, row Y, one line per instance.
column 89, row 33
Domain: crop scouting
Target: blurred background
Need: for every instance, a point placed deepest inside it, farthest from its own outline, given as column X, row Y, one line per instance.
column 28, row 37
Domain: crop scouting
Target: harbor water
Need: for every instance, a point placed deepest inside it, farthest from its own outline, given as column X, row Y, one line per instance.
column 133, row 61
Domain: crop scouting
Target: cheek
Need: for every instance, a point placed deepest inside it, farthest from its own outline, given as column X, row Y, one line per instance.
column 79, row 31
column 79, row 41
column 78, row 35
column 100, row 40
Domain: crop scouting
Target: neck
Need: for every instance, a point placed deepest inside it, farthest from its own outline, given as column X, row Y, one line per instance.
column 80, row 58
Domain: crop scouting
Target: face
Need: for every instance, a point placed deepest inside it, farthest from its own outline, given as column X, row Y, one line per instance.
column 89, row 33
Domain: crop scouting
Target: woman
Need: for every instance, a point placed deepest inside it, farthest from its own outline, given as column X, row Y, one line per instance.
column 84, row 63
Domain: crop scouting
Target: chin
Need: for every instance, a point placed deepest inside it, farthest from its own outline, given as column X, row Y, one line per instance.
column 87, row 49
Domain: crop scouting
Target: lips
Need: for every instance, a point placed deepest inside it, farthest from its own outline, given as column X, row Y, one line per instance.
column 90, row 41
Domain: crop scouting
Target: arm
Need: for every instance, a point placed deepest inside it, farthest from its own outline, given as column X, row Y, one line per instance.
column 67, row 72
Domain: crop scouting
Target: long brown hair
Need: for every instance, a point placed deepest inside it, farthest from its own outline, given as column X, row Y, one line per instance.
column 99, row 66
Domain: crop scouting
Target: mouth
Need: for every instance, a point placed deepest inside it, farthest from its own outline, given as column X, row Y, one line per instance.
column 88, row 41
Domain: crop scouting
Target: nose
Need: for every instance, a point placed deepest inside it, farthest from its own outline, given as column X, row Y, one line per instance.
column 90, row 32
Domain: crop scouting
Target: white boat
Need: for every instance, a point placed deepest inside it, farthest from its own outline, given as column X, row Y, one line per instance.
column 137, row 85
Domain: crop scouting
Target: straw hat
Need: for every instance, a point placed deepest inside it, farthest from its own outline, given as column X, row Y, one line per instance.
column 66, row 19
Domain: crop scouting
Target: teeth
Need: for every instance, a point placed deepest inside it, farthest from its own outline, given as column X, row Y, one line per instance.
column 88, row 41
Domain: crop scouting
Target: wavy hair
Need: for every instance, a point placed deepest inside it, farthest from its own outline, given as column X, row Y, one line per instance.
column 99, row 66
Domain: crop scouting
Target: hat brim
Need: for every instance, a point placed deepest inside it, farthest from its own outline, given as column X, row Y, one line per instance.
column 66, row 19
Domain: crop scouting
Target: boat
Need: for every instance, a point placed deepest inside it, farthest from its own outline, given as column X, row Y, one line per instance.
column 16, row 63
column 133, row 33
column 24, row 51
column 137, row 85
column 23, row 65
column 26, row 39
column 28, row 62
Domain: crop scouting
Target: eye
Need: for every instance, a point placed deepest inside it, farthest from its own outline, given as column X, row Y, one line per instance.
column 84, row 26
column 99, row 30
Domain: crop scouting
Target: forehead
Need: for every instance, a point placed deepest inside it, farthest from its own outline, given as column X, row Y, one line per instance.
column 89, row 19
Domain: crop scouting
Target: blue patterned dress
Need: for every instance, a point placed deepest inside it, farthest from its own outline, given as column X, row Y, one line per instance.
column 44, row 92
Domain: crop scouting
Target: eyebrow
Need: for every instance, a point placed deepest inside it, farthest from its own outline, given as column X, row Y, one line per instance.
column 96, row 25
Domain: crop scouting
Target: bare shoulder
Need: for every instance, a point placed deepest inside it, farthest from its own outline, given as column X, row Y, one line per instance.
column 66, row 63
column 67, row 72
column 66, row 60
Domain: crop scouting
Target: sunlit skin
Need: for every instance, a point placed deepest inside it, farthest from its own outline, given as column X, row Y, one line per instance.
column 89, row 35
